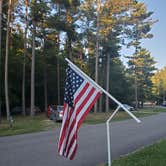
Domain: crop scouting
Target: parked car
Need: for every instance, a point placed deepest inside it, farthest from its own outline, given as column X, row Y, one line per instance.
column 59, row 113
column 55, row 112
column 36, row 110
column 130, row 108
column 164, row 103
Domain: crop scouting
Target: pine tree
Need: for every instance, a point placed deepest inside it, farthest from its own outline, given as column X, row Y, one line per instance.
column 6, row 60
column 159, row 85
column 143, row 66
column 140, row 24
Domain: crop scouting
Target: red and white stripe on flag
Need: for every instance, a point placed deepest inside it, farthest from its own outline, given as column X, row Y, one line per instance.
column 84, row 97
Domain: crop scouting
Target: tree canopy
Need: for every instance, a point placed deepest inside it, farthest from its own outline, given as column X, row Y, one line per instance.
column 43, row 32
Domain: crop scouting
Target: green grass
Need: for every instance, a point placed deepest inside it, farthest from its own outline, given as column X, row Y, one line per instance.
column 26, row 124
column 154, row 155
column 153, row 109
column 95, row 118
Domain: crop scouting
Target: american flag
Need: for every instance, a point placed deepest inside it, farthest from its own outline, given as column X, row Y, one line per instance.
column 80, row 96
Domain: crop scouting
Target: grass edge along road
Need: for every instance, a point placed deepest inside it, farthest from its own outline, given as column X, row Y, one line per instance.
column 153, row 155
column 95, row 118
column 27, row 124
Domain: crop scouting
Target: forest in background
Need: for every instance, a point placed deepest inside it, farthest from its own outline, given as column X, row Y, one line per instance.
column 37, row 35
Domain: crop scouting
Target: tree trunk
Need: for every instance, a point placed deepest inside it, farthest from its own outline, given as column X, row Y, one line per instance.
column 25, row 53
column 0, row 51
column 6, row 62
column 45, row 87
column 97, row 49
column 107, row 83
column 164, row 95
column 101, row 103
column 58, row 80
column 136, row 91
column 58, row 66
column 33, row 71
column 45, row 78
column 101, row 73
column 70, row 49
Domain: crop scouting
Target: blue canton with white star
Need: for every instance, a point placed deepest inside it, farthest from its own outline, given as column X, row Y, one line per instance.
column 73, row 82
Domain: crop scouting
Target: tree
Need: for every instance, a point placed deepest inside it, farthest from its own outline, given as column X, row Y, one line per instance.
column 25, row 54
column 59, row 29
column 108, row 15
column 0, row 49
column 110, row 50
column 14, row 51
column 159, row 85
column 44, row 35
column 140, row 24
column 97, row 47
column 64, row 21
column 38, row 9
column 6, row 60
column 110, row 21
column 35, row 17
column 120, row 82
column 33, row 3
column 143, row 66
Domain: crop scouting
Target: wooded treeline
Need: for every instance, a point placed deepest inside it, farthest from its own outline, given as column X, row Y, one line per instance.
column 37, row 35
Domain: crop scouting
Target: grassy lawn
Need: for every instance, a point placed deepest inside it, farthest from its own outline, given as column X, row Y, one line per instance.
column 153, row 109
column 94, row 118
column 26, row 124
column 154, row 155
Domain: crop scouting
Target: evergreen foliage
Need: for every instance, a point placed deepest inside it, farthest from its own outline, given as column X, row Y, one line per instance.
column 58, row 29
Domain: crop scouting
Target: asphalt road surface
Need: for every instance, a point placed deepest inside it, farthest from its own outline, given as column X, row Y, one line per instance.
column 40, row 149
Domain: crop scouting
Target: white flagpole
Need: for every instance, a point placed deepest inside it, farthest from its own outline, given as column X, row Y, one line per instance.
column 103, row 90
column 108, row 135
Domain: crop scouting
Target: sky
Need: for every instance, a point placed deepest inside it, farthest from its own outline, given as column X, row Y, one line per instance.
column 156, row 45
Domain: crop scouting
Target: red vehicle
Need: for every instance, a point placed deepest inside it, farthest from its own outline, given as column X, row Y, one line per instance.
column 48, row 111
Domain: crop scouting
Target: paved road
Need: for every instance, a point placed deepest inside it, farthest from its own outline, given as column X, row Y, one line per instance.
column 39, row 149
